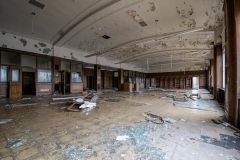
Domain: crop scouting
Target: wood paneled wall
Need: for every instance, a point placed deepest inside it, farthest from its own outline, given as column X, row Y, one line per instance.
column 177, row 79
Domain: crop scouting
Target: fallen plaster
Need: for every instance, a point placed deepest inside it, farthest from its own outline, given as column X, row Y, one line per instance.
column 134, row 15
column 153, row 6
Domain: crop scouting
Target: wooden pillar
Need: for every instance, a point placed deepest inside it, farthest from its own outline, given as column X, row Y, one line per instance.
column 105, row 80
column 209, row 78
column 120, row 79
column 97, row 77
column 217, row 69
column 237, row 30
column 231, row 56
column 212, row 76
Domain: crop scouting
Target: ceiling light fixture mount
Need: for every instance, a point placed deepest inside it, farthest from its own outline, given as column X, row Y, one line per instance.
column 33, row 15
column 106, row 36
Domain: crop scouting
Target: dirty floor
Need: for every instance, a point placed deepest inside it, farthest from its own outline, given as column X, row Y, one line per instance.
column 117, row 129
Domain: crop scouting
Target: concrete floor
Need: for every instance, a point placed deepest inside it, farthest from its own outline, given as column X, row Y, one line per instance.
column 52, row 133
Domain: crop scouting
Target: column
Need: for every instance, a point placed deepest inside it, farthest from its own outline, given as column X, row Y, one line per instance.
column 237, row 29
column 217, row 69
column 97, row 77
column 231, row 57
column 120, row 79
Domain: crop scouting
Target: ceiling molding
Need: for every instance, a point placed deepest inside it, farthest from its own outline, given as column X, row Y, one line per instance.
column 95, row 21
column 146, row 39
column 80, row 21
column 156, row 52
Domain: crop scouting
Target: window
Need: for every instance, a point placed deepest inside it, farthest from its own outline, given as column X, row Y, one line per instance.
column 77, row 67
column 4, row 74
column 153, row 82
column 125, row 73
column 76, row 77
column 133, row 74
column 130, row 73
column 44, row 75
column 15, row 75
column 65, row 65
column 44, row 62
column 28, row 61
column 115, row 74
column 9, row 58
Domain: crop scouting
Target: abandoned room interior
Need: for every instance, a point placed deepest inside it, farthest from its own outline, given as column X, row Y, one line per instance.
column 120, row 80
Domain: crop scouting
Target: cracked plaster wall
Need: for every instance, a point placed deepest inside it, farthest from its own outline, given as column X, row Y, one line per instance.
column 21, row 43
column 11, row 41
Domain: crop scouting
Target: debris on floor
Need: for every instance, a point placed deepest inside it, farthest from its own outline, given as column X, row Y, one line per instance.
column 113, row 100
column 170, row 95
column 16, row 143
column 88, row 105
column 122, row 138
column 184, row 99
column 5, row 121
column 169, row 120
column 225, row 141
column 153, row 118
column 117, row 130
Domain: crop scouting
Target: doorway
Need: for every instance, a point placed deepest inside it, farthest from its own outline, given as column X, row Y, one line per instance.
column 90, row 82
column 195, row 84
column 65, row 82
column 28, row 82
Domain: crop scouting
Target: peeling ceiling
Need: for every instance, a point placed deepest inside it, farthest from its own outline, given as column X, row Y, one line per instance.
column 177, row 35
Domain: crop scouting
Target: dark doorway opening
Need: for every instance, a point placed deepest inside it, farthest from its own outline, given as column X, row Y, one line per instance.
column 65, row 82
column 28, row 83
column 90, row 82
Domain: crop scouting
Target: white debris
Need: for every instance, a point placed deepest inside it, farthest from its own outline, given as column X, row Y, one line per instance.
column 169, row 120
column 182, row 120
column 148, row 104
column 226, row 124
column 80, row 100
column 122, row 155
column 88, row 105
column 122, row 138
column 5, row 121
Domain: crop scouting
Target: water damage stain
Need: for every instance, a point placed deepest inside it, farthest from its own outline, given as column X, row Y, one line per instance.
column 42, row 44
column 46, row 50
column 72, row 57
column 4, row 46
column 23, row 41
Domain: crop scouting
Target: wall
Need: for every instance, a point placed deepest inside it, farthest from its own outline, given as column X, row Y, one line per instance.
column 11, row 41
column 178, row 79
column 22, row 43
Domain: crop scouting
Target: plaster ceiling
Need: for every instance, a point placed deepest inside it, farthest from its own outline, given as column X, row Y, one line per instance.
column 80, row 25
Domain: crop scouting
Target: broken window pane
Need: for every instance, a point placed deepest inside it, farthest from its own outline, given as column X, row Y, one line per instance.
column 44, row 75
column 15, row 75
column 76, row 77
column 4, row 74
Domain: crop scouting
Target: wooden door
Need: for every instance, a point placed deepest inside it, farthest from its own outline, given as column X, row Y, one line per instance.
column 15, row 82
column 147, row 82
